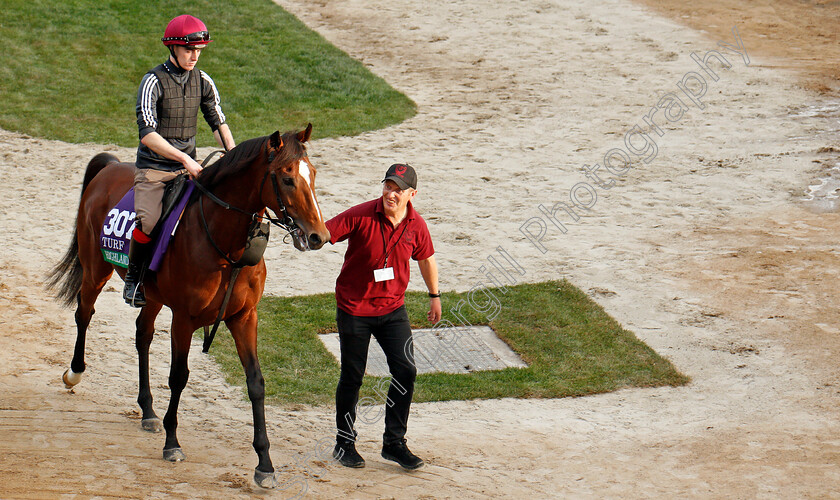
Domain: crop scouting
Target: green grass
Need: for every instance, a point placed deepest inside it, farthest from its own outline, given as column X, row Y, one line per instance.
column 71, row 70
column 572, row 346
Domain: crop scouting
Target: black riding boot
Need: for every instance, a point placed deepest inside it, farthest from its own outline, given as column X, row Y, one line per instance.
column 133, row 292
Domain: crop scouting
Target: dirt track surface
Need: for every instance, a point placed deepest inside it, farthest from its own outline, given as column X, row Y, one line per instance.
column 707, row 253
column 801, row 35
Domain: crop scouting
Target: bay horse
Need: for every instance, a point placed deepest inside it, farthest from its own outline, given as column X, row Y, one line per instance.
column 271, row 172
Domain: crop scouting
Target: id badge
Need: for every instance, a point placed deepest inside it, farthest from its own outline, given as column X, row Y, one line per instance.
column 384, row 274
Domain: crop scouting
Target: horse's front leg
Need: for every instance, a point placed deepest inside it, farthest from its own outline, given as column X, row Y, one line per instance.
column 145, row 334
column 179, row 373
column 243, row 327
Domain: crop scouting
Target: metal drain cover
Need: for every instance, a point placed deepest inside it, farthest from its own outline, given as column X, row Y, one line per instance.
column 463, row 349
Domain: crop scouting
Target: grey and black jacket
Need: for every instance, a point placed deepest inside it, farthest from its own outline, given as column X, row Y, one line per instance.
column 168, row 101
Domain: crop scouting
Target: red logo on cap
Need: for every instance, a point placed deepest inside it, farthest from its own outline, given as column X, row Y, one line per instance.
column 400, row 170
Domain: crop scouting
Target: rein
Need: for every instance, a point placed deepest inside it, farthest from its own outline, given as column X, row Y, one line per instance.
column 286, row 222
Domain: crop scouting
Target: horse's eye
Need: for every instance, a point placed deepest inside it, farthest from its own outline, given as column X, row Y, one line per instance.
column 288, row 181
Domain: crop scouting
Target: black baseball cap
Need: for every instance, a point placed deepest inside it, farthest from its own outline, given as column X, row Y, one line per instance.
column 403, row 174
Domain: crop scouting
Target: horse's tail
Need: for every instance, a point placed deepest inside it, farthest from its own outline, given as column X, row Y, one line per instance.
column 66, row 276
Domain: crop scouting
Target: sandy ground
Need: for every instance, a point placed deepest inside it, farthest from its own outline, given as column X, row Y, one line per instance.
column 800, row 34
column 707, row 252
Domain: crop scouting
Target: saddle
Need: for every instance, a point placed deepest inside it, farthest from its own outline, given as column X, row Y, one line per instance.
column 175, row 188
column 171, row 194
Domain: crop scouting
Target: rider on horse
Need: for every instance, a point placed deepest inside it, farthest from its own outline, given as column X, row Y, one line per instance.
column 168, row 101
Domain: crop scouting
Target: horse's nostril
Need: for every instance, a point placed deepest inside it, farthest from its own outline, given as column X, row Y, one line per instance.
column 314, row 239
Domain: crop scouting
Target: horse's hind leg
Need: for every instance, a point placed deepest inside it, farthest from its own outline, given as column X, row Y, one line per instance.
column 85, row 300
column 145, row 334
column 73, row 375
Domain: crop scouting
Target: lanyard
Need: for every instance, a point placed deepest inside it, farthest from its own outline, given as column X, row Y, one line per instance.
column 385, row 245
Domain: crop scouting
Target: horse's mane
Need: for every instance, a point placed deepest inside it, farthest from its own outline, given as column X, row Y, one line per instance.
column 240, row 157
column 232, row 162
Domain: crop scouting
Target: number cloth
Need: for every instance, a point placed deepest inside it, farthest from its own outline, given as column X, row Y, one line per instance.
column 119, row 225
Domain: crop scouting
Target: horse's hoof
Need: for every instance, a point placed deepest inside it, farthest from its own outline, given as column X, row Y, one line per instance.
column 71, row 378
column 174, row 455
column 153, row 424
column 265, row 480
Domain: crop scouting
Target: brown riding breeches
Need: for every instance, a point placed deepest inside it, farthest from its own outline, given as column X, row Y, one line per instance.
column 148, row 195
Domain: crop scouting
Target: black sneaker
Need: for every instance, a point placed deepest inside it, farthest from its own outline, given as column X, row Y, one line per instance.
column 399, row 452
column 347, row 455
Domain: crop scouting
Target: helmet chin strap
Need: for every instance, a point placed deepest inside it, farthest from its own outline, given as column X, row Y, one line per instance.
column 172, row 53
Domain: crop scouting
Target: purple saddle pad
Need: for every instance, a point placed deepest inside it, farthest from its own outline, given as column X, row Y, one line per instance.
column 119, row 224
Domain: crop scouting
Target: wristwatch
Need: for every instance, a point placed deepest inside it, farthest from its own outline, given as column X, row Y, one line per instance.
column 434, row 295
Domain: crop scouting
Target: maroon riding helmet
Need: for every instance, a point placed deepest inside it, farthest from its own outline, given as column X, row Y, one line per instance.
column 188, row 31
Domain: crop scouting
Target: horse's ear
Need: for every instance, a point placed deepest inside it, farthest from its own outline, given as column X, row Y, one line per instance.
column 303, row 135
column 275, row 141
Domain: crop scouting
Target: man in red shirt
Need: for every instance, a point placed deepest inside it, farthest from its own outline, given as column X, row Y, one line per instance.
column 382, row 235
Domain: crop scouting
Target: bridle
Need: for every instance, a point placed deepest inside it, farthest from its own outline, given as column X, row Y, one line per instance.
column 284, row 221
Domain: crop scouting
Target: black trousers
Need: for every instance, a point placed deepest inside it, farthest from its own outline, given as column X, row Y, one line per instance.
column 393, row 332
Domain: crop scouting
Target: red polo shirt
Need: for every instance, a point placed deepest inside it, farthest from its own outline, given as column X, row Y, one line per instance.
column 366, row 226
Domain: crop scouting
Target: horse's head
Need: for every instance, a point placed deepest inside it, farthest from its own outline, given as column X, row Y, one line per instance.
column 291, row 191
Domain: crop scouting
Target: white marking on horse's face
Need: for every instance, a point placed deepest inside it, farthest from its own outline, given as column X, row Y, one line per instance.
column 303, row 170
